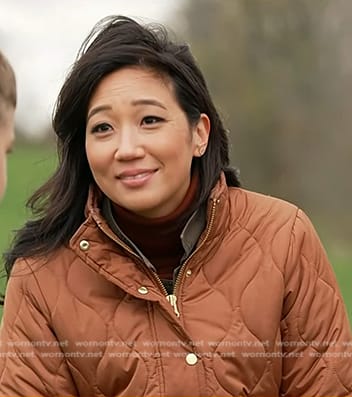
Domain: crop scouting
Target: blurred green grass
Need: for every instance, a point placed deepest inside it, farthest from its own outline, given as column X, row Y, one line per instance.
column 343, row 271
column 29, row 167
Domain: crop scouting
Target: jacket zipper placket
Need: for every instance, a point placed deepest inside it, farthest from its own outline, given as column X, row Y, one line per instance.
column 180, row 277
column 171, row 298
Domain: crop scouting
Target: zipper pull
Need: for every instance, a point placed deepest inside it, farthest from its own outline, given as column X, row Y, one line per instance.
column 172, row 299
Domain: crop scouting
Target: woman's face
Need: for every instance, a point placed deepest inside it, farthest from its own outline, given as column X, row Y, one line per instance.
column 139, row 143
column 7, row 136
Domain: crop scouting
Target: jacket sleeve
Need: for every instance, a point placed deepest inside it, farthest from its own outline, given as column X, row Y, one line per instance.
column 316, row 336
column 31, row 360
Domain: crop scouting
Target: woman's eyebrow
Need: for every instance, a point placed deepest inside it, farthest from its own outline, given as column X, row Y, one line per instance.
column 148, row 101
column 98, row 109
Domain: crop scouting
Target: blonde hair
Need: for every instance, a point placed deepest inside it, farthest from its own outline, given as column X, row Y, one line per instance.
column 8, row 94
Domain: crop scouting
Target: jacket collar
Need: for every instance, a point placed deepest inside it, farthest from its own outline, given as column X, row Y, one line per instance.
column 107, row 255
column 195, row 225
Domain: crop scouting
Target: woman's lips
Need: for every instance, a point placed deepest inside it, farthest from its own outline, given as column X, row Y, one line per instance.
column 135, row 178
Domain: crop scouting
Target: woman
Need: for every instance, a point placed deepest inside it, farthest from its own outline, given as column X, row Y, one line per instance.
column 148, row 271
column 7, row 116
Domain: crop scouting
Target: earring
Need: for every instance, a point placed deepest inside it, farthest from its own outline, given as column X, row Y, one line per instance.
column 201, row 150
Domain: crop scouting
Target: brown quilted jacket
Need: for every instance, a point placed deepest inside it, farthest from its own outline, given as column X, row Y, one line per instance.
column 260, row 313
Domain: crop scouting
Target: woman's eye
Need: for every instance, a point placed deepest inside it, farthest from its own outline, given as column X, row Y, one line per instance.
column 103, row 127
column 149, row 120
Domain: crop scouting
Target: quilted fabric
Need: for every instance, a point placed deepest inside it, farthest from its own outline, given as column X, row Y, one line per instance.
column 260, row 313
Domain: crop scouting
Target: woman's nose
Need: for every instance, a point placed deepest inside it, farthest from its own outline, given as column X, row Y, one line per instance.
column 128, row 145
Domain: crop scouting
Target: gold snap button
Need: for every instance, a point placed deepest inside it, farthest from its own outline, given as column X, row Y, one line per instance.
column 143, row 290
column 188, row 273
column 84, row 245
column 191, row 359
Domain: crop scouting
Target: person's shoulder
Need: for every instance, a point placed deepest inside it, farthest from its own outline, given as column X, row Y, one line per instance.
column 40, row 279
column 258, row 204
column 53, row 262
column 263, row 217
column 266, row 221
column 44, row 270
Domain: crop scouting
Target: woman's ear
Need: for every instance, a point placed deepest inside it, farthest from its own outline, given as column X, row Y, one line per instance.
column 201, row 135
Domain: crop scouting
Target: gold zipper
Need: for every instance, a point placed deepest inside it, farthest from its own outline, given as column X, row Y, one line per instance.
column 182, row 271
column 171, row 298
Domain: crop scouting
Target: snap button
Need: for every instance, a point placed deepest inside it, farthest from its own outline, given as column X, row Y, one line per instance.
column 188, row 273
column 143, row 290
column 191, row 359
column 84, row 245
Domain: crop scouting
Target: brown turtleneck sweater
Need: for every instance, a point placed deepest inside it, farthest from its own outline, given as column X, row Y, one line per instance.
column 159, row 238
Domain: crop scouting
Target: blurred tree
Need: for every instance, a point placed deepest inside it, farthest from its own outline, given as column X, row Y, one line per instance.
column 280, row 72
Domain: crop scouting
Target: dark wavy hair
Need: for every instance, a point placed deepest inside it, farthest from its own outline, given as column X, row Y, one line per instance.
column 115, row 42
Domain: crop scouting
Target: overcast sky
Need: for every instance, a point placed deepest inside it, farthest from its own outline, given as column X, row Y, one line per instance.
column 41, row 39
